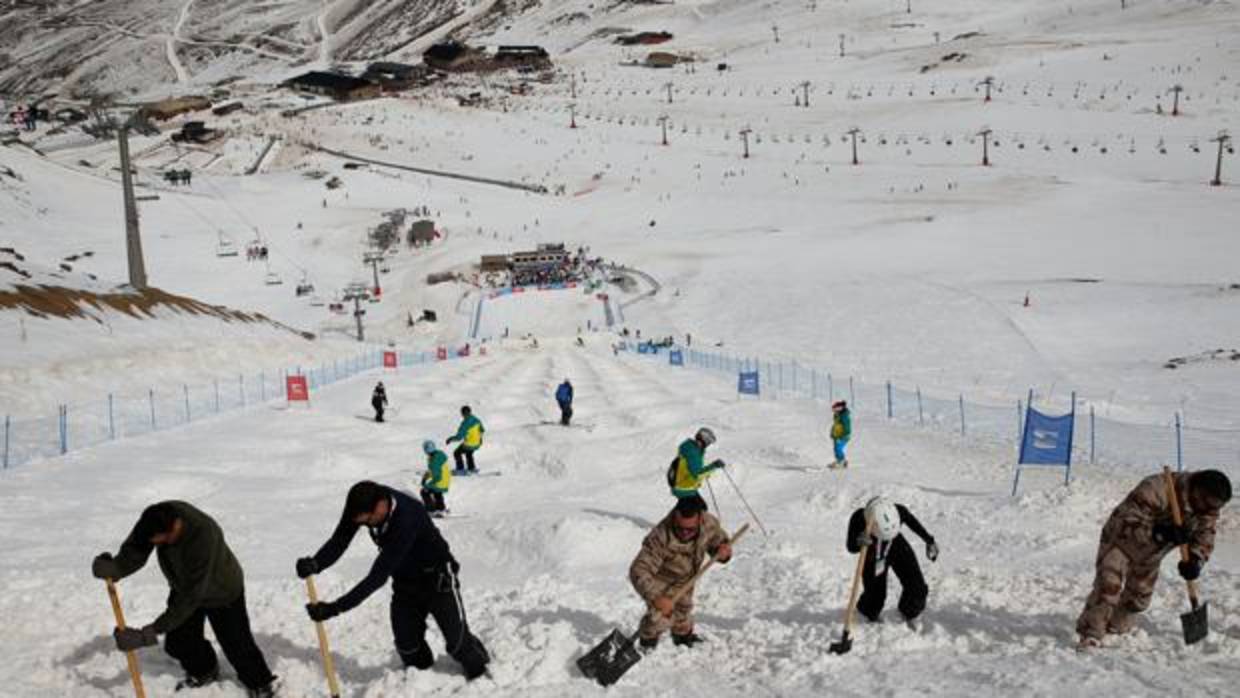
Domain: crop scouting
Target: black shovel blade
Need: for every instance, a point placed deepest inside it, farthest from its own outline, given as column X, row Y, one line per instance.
column 607, row 662
column 1196, row 624
column 843, row 646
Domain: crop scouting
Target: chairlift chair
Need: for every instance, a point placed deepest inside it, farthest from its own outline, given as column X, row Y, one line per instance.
column 273, row 279
column 225, row 248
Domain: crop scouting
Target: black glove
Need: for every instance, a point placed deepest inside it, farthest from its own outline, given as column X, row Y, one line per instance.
column 130, row 639
column 104, row 567
column 932, row 551
column 450, row 439
column 322, row 610
column 1167, row 533
column 718, row 463
column 863, row 539
column 306, row 566
column 1190, row 569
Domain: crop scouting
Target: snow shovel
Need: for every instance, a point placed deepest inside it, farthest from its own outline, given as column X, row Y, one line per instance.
column 845, row 643
column 329, row 667
column 616, row 654
column 1196, row 623
column 135, row 674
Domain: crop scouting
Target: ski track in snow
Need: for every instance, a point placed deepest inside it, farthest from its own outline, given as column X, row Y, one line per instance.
column 171, row 43
column 545, row 549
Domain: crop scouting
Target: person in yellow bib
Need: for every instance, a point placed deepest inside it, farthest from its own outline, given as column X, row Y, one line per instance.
column 470, row 435
column 436, row 480
column 689, row 470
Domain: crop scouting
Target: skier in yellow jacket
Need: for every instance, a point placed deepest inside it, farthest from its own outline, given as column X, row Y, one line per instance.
column 469, row 433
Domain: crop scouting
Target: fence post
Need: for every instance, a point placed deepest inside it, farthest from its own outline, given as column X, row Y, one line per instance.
column 186, row 389
column 921, row 416
column 1020, row 425
column 7, row 423
column 217, row 396
column 889, row 409
column 852, row 394
column 1093, row 432
column 962, row 430
column 813, row 384
column 795, row 383
column 830, row 389
column 1179, row 444
column 64, row 429
column 241, row 387
column 151, row 394
column 262, row 385
column 111, row 420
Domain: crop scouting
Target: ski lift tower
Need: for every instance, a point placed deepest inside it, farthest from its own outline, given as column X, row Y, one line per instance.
column 373, row 259
column 357, row 292
column 133, row 237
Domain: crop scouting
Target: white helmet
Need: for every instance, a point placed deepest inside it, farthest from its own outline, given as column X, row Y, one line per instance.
column 705, row 436
column 883, row 518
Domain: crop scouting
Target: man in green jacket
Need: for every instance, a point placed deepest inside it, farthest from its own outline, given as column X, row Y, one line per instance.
column 689, row 470
column 469, row 433
column 207, row 585
column 841, row 432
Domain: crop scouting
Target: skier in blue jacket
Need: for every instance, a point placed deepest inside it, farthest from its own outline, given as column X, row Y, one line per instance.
column 564, row 396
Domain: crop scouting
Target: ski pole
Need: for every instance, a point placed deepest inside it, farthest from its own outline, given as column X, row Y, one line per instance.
column 746, row 503
column 329, row 667
column 135, row 674
column 713, row 502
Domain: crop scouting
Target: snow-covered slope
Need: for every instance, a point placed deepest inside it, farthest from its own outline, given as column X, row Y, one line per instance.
column 545, row 547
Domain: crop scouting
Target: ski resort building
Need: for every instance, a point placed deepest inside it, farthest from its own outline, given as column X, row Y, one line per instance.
column 343, row 88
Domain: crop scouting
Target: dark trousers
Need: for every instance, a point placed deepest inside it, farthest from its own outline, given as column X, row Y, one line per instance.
column 378, row 410
column 566, row 412
column 231, row 625
column 433, row 500
column 462, row 455
column 902, row 561
column 436, row 594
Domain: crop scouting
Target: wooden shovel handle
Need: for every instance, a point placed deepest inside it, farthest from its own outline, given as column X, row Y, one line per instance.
column 1178, row 519
column 684, row 589
column 135, row 673
column 856, row 582
column 329, row 666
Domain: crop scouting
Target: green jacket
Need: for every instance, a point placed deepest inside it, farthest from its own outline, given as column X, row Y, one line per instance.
column 470, row 432
column 201, row 570
column 438, row 477
column 841, row 425
column 688, row 471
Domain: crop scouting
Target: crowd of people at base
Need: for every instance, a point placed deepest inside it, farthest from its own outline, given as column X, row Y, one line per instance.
column 576, row 268
column 207, row 582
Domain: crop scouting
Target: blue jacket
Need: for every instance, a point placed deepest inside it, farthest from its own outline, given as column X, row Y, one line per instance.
column 564, row 393
column 410, row 548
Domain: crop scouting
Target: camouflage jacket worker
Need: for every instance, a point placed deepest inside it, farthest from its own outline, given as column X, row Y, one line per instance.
column 1132, row 522
column 665, row 563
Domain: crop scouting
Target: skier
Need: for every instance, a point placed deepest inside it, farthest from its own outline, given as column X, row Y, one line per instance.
column 841, row 431
column 877, row 525
column 1139, row 532
column 688, row 471
column 207, row 584
column 378, row 400
column 470, row 435
column 564, row 397
column 436, row 480
column 423, row 572
column 670, row 556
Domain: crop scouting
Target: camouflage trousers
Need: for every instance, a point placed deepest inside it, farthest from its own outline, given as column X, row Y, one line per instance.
column 681, row 623
column 1122, row 587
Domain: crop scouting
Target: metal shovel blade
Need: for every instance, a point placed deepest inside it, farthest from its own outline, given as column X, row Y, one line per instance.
column 843, row 646
column 1196, row 624
column 607, row 662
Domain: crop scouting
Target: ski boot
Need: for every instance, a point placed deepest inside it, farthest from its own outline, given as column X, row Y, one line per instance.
column 205, row 679
column 687, row 640
column 268, row 691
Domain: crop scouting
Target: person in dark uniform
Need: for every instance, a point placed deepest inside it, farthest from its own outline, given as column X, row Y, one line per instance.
column 877, row 527
column 419, row 563
column 378, row 400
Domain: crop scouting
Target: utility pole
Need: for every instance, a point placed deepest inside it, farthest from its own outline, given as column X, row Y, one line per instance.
column 985, row 134
column 357, row 293
column 805, row 93
column 668, row 86
column 854, row 132
column 133, row 237
column 373, row 259
column 663, row 123
column 745, row 138
column 988, row 83
column 1223, row 140
column 1175, row 108
column 841, row 45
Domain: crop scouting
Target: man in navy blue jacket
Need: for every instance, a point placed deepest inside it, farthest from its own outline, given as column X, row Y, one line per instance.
column 422, row 569
column 564, row 396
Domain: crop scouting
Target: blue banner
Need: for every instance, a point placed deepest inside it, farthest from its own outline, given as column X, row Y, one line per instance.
column 1047, row 440
column 645, row 349
column 676, row 358
column 747, row 383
